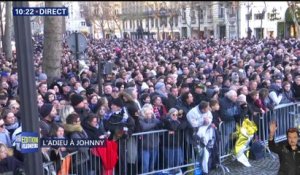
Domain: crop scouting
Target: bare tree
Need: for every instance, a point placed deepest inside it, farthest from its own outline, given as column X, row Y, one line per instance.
column 98, row 13
column 174, row 12
column 294, row 10
column 7, row 48
column 52, row 43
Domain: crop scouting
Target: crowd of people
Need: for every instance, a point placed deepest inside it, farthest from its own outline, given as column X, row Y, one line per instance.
column 178, row 85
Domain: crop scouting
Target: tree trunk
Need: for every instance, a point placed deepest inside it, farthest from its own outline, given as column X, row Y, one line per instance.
column 102, row 29
column 1, row 25
column 8, row 30
column 52, row 44
column 293, row 7
column 119, row 27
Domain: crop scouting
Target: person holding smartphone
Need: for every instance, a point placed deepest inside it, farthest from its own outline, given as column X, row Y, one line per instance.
column 289, row 152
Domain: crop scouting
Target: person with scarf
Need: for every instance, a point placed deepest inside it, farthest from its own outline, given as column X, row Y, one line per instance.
column 150, row 143
column 59, row 154
column 93, row 103
column 159, row 108
column 121, row 125
column 74, row 130
column 94, row 131
column 287, row 93
column 161, row 91
column 276, row 91
column 173, row 140
column 11, row 121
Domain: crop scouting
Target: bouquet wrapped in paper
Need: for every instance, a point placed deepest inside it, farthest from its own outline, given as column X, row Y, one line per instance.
column 244, row 135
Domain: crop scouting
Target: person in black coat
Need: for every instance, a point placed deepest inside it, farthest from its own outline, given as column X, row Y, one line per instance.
column 289, row 152
column 296, row 88
column 74, row 130
column 94, row 131
column 77, row 101
column 8, row 163
column 184, row 104
column 90, row 125
column 174, row 139
column 121, row 125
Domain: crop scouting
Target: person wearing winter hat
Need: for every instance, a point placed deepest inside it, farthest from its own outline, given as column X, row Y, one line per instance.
column 47, row 112
column 77, row 101
column 43, row 77
column 199, row 93
column 117, row 102
column 159, row 86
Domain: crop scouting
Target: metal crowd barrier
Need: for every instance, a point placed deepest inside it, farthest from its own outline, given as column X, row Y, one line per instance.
column 159, row 145
column 226, row 143
column 165, row 154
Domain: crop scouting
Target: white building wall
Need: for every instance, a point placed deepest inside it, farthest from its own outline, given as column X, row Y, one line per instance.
column 257, row 7
column 74, row 21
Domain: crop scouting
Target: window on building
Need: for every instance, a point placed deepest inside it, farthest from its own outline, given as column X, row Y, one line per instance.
column 130, row 24
column 82, row 23
column 176, row 21
column 249, row 16
column 152, row 22
column 209, row 15
column 193, row 16
column 183, row 13
column 221, row 11
column 259, row 16
column 156, row 22
column 81, row 15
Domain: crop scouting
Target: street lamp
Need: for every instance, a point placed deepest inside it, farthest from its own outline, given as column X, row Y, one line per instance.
column 163, row 13
column 171, row 21
column 148, row 13
column 273, row 15
column 248, row 5
column 200, row 17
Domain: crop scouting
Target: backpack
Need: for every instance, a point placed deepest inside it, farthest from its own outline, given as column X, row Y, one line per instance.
column 257, row 150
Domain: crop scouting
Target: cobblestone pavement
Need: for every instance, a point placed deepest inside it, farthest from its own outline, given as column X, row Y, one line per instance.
column 266, row 166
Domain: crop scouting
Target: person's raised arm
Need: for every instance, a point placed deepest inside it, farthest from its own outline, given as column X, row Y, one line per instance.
column 273, row 147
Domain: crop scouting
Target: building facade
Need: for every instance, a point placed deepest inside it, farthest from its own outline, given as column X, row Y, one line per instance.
column 271, row 23
column 180, row 19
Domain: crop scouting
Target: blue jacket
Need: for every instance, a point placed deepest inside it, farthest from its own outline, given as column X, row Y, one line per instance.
column 229, row 109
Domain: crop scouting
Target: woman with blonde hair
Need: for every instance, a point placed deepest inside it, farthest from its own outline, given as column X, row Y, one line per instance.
column 8, row 163
column 65, row 111
column 150, row 143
